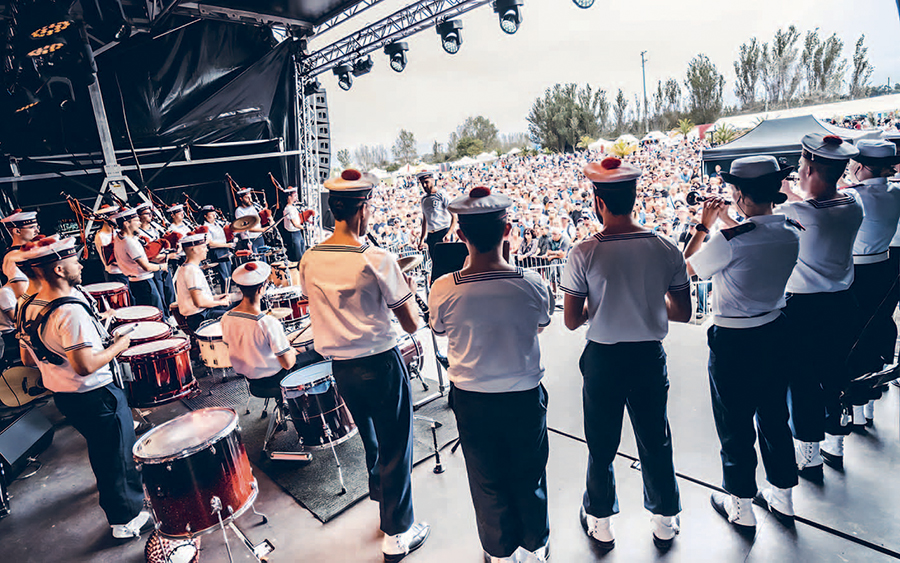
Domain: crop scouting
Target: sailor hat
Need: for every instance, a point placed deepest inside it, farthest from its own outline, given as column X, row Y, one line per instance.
column 875, row 152
column 48, row 250
column 758, row 171
column 195, row 237
column 175, row 208
column 479, row 202
column 610, row 173
column 243, row 191
column 290, row 190
column 251, row 273
column 892, row 135
column 828, row 149
column 125, row 213
column 352, row 184
column 106, row 210
column 207, row 209
column 19, row 219
column 424, row 175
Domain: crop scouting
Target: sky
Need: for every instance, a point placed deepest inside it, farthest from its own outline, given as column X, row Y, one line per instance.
column 499, row 75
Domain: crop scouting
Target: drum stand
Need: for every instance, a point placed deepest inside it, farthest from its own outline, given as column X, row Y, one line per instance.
column 434, row 424
column 330, row 435
column 437, row 362
column 278, row 418
column 259, row 551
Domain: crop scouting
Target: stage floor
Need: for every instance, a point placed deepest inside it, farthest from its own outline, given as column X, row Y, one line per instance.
column 852, row 517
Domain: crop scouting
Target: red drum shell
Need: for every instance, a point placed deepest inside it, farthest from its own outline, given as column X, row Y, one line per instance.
column 161, row 371
column 183, row 468
column 412, row 352
column 136, row 314
column 113, row 294
column 317, row 409
column 287, row 298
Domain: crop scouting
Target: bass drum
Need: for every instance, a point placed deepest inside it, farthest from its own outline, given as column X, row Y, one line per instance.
column 160, row 372
column 195, row 470
column 317, row 409
column 109, row 295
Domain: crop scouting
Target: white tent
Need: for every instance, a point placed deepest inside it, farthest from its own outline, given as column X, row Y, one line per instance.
column 516, row 150
column 655, row 136
column 407, row 170
column 465, row 161
column 877, row 105
column 486, row 157
column 379, row 173
column 599, row 145
column 628, row 139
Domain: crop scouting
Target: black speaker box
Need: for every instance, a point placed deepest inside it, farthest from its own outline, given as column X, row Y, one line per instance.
column 22, row 436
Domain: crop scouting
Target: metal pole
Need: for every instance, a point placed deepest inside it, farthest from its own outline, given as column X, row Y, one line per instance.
column 644, row 75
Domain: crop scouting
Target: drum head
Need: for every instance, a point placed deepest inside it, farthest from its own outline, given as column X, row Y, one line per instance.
column 302, row 336
column 185, row 435
column 144, row 330
column 104, row 287
column 136, row 312
column 307, row 376
column 288, row 291
column 158, row 346
column 210, row 330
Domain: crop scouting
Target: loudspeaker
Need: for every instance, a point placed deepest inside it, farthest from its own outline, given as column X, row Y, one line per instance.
column 323, row 135
column 327, row 217
column 27, row 435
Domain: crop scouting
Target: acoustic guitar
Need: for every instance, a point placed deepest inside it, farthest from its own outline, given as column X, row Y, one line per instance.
column 20, row 385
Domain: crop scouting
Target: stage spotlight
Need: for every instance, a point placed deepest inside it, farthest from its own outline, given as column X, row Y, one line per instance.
column 312, row 87
column 27, row 100
column 50, row 29
column 397, row 52
column 451, row 38
column 583, row 4
column 363, row 66
column 345, row 80
column 55, row 44
column 510, row 17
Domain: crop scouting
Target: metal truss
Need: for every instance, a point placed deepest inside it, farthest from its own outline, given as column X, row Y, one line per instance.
column 345, row 15
column 402, row 23
column 219, row 13
column 309, row 145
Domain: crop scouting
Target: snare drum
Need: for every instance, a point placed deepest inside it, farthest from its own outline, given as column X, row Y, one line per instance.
column 317, row 409
column 288, row 298
column 213, row 350
column 136, row 314
column 195, row 469
column 302, row 341
column 144, row 332
column 161, row 372
column 109, row 295
column 180, row 319
column 412, row 352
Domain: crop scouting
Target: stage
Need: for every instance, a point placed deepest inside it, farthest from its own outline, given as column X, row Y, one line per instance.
column 852, row 517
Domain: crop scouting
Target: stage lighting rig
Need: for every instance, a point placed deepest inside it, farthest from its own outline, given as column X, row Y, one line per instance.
column 363, row 66
column 312, row 87
column 510, row 16
column 50, row 29
column 53, row 46
column 25, row 100
column 397, row 53
column 343, row 73
column 451, row 38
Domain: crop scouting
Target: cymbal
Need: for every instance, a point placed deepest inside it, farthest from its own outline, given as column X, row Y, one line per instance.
column 409, row 263
column 243, row 223
column 280, row 312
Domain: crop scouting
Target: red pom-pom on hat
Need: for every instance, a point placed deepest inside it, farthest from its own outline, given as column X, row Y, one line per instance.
column 19, row 210
column 480, row 191
column 250, row 266
column 610, row 163
column 832, row 140
column 45, row 242
column 351, row 175
column 202, row 229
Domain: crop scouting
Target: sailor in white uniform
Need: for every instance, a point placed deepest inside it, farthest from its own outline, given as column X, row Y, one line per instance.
column 749, row 264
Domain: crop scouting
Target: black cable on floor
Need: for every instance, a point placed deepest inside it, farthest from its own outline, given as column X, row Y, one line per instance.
column 811, row 523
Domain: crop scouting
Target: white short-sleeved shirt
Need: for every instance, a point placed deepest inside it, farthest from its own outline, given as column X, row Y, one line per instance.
column 351, row 292
column 254, row 343
column 625, row 279
column 128, row 251
column 881, row 207
column 491, row 320
column 290, row 214
column 69, row 327
column 8, row 308
column 10, row 269
column 826, row 245
column 749, row 267
column 244, row 211
column 150, row 231
column 102, row 239
column 216, row 233
column 436, row 212
column 188, row 277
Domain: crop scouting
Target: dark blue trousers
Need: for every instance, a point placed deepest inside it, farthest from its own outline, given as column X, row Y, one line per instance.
column 296, row 245
column 376, row 390
column 194, row 321
column 223, row 264
column 504, row 441
column 874, row 287
column 166, row 289
column 747, row 381
column 894, row 294
column 102, row 416
column 821, row 327
column 146, row 292
column 628, row 375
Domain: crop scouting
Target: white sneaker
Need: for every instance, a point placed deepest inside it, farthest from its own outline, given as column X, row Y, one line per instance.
column 398, row 546
column 665, row 528
column 598, row 529
column 833, row 451
column 780, row 502
column 132, row 529
column 738, row 511
column 869, row 412
column 859, row 416
column 542, row 553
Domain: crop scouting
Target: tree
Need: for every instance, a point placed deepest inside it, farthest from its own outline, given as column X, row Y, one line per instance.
column 724, row 134
column 620, row 111
column 370, row 157
column 685, row 126
column 469, row 146
column 512, row 141
column 343, row 157
column 862, row 70
column 437, row 153
column 480, row 128
column 782, row 77
column 747, row 70
column 822, row 65
column 584, row 142
column 405, row 148
column 565, row 113
column 704, row 85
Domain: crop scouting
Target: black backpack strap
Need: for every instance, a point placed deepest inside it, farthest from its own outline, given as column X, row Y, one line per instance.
column 33, row 329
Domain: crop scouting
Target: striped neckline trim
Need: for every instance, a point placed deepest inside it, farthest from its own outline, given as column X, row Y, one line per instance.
column 843, row 200
column 624, row 236
column 241, row 315
column 459, row 278
column 341, row 248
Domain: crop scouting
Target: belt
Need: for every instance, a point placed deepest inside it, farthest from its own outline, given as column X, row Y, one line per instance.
column 746, row 322
column 870, row 258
